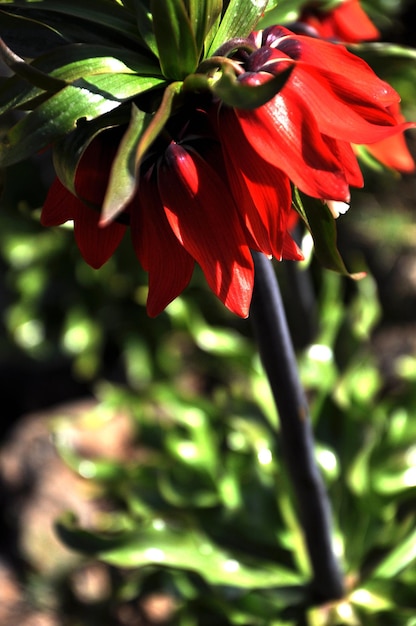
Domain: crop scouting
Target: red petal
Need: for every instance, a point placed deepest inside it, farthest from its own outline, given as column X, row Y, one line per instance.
column 96, row 243
column 203, row 217
column 60, row 205
column 93, row 171
column 169, row 265
column 339, row 114
column 348, row 73
column 346, row 156
column 284, row 133
column 394, row 153
column 262, row 193
column 291, row 250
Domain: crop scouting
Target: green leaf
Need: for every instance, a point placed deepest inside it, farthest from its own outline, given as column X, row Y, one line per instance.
column 175, row 40
column 183, row 548
column 144, row 21
column 400, row 557
column 27, row 71
column 121, row 86
column 51, row 120
column 239, row 20
column 124, row 172
column 203, row 15
column 97, row 12
column 72, row 62
column 141, row 134
column 243, row 96
column 278, row 12
column 28, row 37
column 321, row 224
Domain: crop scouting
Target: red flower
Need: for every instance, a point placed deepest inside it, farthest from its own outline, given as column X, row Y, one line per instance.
column 96, row 244
column 331, row 100
column 184, row 211
column 346, row 22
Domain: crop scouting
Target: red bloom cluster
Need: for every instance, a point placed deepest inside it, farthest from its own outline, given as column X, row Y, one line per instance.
column 347, row 22
column 218, row 183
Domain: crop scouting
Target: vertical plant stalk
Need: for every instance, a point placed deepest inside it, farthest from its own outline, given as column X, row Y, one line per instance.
column 296, row 436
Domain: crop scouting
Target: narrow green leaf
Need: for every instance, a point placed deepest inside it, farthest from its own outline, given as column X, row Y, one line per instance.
column 27, row 71
column 99, row 12
column 239, row 20
column 175, row 40
column 400, row 557
column 51, row 120
column 243, row 96
column 72, row 62
column 142, row 132
column 144, row 21
column 202, row 16
column 121, row 86
column 181, row 548
column 321, row 223
column 28, row 38
column 159, row 119
column 70, row 29
column 124, row 172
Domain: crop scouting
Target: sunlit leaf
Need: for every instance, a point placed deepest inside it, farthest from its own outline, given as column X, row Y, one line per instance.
column 202, row 16
column 321, row 224
column 239, row 20
column 124, row 172
column 51, row 120
column 399, row 558
column 178, row 548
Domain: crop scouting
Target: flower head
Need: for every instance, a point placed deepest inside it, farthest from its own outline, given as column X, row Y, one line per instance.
column 194, row 131
column 346, row 21
column 331, row 100
column 183, row 212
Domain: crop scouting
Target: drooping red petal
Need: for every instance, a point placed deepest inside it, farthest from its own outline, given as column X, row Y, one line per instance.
column 93, row 171
column 346, row 156
column 96, row 243
column 262, row 193
column 349, row 74
column 291, row 250
column 203, row 216
column 393, row 151
column 60, row 205
column 338, row 114
column 169, row 265
column 284, row 133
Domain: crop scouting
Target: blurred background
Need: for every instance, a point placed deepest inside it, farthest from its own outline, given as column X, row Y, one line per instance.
column 158, row 436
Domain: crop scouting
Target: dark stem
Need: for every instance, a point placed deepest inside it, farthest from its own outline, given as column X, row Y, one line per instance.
column 296, row 435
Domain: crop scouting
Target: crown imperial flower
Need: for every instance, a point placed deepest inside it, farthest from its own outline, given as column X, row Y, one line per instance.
column 196, row 132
